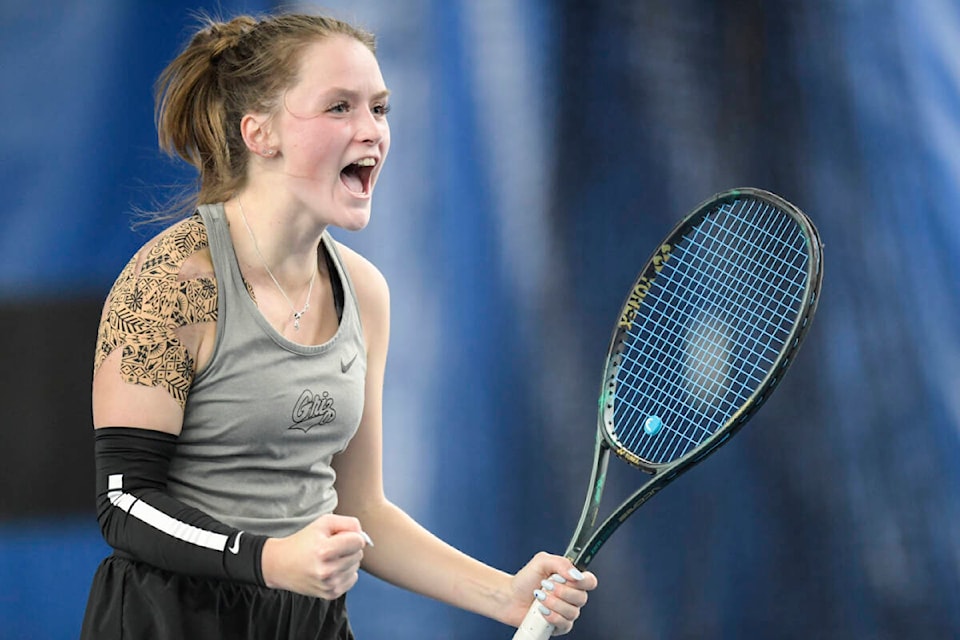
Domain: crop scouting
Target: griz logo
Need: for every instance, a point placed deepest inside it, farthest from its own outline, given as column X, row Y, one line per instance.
column 312, row 410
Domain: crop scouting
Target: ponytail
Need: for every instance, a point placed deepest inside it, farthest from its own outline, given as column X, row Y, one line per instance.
column 191, row 107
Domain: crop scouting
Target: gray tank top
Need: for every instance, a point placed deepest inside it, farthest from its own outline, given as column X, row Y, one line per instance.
column 266, row 416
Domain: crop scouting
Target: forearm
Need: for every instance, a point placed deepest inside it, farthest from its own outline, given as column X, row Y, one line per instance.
column 408, row 556
column 137, row 516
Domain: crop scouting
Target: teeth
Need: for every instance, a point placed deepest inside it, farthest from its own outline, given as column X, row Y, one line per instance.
column 365, row 162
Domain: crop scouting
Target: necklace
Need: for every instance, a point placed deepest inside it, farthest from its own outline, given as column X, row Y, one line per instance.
column 296, row 314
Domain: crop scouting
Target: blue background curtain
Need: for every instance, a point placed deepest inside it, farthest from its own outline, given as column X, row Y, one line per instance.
column 540, row 150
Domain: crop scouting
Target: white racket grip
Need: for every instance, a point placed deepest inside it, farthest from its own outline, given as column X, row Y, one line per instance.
column 534, row 625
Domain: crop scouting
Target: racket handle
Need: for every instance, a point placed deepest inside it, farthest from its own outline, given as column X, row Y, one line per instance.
column 534, row 625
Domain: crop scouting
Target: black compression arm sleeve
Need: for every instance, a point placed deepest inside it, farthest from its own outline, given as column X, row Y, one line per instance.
column 137, row 515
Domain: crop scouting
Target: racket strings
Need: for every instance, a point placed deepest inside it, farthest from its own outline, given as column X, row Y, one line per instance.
column 777, row 280
column 709, row 350
column 706, row 351
column 739, row 282
column 707, row 382
column 719, row 312
column 772, row 307
column 741, row 352
column 708, row 360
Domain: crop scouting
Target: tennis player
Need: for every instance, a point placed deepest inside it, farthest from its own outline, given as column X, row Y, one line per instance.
column 239, row 367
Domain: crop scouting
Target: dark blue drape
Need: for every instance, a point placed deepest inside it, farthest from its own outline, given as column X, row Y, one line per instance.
column 540, row 151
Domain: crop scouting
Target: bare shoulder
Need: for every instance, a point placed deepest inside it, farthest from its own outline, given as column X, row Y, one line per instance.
column 180, row 251
column 176, row 261
column 158, row 316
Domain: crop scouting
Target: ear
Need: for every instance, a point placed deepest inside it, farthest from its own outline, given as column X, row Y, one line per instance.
column 257, row 135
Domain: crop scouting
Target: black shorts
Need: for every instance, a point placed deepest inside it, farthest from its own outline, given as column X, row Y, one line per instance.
column 131, row 600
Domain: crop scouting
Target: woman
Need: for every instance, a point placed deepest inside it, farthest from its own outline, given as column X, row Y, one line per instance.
column 238, row 376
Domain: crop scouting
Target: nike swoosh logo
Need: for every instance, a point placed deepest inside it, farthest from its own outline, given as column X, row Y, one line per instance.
column 235, row 548
column 345, row 366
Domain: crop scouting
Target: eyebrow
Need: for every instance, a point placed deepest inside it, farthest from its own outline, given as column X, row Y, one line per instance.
column 350, row 93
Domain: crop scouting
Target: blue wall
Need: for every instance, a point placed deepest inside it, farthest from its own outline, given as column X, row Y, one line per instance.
column 534, row 145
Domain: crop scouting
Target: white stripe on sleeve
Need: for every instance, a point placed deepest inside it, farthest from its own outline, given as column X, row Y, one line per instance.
column 159, row 520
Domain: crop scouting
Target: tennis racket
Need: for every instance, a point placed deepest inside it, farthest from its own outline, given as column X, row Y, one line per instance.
column 707, row 331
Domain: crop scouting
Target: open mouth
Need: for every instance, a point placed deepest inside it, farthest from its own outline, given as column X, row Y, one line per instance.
column 356, row 175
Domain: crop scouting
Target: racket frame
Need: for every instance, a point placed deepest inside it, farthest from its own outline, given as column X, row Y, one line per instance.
column 587, row 541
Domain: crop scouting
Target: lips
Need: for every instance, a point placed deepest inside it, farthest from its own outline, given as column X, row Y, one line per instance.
column 356, row 176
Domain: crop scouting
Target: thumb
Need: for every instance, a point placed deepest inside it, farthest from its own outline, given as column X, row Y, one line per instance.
column 332, row 524
column 549, row 565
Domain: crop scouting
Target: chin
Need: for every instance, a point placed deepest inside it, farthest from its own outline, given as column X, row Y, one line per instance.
column 354, row 220
column 357, row 226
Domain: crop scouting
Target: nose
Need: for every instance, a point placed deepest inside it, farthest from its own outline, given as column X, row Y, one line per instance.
column 371, row 129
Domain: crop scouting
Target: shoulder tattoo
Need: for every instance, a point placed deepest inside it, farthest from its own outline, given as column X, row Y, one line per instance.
column 149, row 303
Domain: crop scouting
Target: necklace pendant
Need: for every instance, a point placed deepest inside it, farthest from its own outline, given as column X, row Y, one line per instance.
column 296, row 321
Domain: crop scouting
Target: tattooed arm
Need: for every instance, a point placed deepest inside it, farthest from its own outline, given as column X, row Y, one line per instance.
column 157, row 327
column 157, row 330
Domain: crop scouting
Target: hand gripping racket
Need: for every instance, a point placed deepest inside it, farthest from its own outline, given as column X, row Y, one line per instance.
column 707, row 331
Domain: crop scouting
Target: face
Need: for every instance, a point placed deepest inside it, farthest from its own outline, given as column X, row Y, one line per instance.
column 332, row 132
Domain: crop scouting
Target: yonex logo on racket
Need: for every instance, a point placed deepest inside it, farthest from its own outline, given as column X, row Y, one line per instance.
column 640, row 289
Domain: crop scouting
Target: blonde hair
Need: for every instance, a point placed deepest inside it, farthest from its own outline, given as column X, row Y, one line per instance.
column 227, row 70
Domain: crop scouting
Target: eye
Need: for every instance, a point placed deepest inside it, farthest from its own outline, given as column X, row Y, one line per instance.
column 339, row 107
column 381, row 109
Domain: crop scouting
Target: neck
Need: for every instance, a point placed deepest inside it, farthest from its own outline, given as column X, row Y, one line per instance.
column 280, row 241
column 296, row 309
